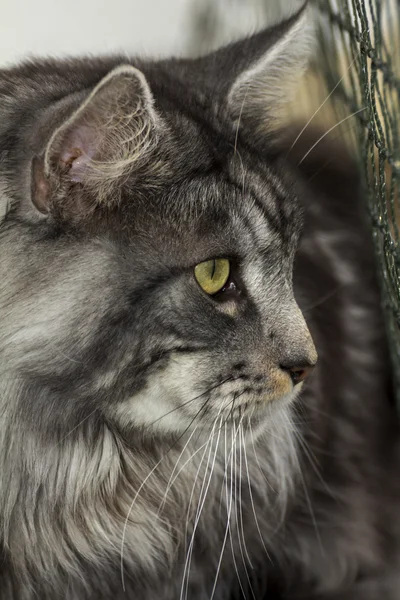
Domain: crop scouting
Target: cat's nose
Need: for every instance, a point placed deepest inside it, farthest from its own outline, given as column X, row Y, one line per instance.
column 295, row 351
column 298, row 373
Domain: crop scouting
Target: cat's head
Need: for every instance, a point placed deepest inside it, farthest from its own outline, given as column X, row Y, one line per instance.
column 147, row 262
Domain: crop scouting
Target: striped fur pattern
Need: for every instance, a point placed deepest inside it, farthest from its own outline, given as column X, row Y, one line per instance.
column 152, row 442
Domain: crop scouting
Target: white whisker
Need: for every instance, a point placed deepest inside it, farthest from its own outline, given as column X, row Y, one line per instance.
column 252, row 502
column 311, row 510
column 329, row 131
column 202, row 499
column 239, row 524
column 171, row 480
column 243, row 171
column 227, row 525
column 319, row 108
column 240, row 117
column 257, row 459
column 195, row 480
column 241, row 506
column 129, row 513
column 75, row 428
column 313, row 462
column 187, row 550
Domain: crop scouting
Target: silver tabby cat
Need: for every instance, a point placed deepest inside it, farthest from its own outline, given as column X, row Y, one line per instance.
column 153, row 442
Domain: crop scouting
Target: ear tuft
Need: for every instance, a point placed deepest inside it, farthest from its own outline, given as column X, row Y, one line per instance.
column 106, row 139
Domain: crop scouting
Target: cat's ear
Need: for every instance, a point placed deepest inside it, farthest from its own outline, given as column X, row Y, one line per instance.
column 266, row 69
column 108, row 137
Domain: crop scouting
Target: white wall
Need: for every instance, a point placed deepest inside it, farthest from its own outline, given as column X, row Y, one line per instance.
column 64, row 27
column 152, row 27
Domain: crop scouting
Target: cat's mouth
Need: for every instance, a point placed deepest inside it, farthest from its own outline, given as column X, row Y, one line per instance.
column 253, row 403
column 230, row 400
column 238, row 399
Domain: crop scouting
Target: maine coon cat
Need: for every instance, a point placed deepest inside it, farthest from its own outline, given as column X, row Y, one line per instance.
column 154, row 443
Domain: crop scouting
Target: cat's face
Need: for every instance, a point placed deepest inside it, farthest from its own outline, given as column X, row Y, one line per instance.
column 204, row 346
column 156, row 282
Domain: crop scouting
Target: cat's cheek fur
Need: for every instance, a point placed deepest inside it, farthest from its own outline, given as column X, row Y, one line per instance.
column 45, row 323
column 158, row 407
column 172, row 397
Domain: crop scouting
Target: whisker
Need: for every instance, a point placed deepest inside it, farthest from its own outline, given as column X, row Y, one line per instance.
column 235, row 396
column 227, row 527
column 258, row 460
column 186, row 572
column 187, row 462
column 240, row 117
column 318, row 411
column 202, row 501
column 241, row 507
column 319, row 108
column 230, row 528
column 252, row 502
column 308, row 453
column 210, row 389
column 169, row 485
column 323, row 298
column 147, row 426
column 74, row 429
column 128, row 515
column 239, row 523
column 310, row 508
column 143, row 484
column 330, row 160
column 329, row 131
column 243, row 172
column 195, row 480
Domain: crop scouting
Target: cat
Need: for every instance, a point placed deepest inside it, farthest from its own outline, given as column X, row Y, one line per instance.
column 171, row 427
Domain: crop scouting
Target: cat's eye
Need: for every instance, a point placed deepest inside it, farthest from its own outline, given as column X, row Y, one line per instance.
column 212, row 275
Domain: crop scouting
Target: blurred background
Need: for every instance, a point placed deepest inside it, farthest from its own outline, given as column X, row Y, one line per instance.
column 53, row 27
column 151, row 27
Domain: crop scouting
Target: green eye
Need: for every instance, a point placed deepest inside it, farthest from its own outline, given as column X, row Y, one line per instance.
column 212, row 275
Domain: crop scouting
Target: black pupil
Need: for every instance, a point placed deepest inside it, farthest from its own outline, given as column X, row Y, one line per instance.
column 213, row 269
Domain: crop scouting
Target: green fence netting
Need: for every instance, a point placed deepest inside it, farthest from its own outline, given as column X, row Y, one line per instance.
column 360, row 63
column 353, row 90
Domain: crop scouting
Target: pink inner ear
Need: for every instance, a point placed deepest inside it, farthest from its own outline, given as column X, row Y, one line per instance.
column 77, row 150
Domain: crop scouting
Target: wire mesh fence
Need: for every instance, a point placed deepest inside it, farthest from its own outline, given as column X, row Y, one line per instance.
column 361, row 65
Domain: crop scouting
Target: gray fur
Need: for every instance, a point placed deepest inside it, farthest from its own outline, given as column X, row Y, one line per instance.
column 152, row 443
